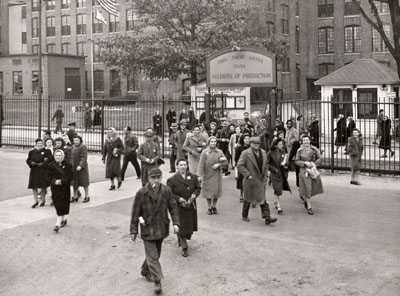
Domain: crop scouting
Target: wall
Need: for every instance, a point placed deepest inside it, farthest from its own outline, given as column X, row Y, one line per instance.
column 15, row 29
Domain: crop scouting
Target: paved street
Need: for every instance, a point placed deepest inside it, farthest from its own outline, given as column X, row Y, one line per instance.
column 349, row 247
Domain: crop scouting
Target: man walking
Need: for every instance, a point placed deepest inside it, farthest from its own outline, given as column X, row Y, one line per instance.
column 150, row 209
column 130, row 156
column 180, row 137
column 58, row 116
column 172, row 144
column 252, row 166
column 292, row 135
column 149, row 155
column 223, row 139
column 379, row 120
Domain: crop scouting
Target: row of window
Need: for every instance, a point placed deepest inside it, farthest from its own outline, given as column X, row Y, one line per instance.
column 352, row 39
column 270, row 6
column 326, row 8
column 51, row 4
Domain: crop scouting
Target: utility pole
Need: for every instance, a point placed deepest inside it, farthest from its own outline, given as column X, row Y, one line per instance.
column 40, row 70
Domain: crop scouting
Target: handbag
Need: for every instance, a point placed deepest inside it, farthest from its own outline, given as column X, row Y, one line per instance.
column 160, row 161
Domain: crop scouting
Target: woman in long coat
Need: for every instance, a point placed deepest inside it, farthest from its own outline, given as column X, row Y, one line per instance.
column 81, row 169
column 244, row 143
column 60, row 174
column 279, row 172
column 157, row 123
column 386, row 139
column 341, row 132
column 307, row 158
column 234, row 143
column 355, row 149
column 38, row 159
column 212, row 161
column 193, row 146
column 112, row 150
column 185, row 188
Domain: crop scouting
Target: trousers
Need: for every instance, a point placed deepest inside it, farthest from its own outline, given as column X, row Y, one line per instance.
column 132, row 158
column 264, row 209
column 151, row 264
column 172, row 160
column 58, row 127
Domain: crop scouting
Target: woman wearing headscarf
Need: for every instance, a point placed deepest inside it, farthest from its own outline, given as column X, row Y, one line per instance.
column 112, row 150
column 244, row 143
column 193, row 146
column 278, row 171
column 308, row 158
column 185, row 188
column 386, row 139
column 38, row 159
column 212, row 162
column 355, row 149
column 81, row 169
column 60, row 174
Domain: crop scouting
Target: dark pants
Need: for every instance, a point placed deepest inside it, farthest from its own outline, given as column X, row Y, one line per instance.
column 58, row 127
column 297, row 168
column 151, row 264
column 183, row 242
column 172, row 160
column 132, row 158
column 264, row 209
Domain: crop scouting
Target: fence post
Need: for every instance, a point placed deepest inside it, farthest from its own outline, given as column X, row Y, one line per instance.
column 1, row 119
column 48, row 113
column 273, row 111
column 332, row 137
column 102, row 123
column 162, row 124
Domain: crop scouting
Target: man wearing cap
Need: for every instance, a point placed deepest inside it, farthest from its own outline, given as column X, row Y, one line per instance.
column 253, row 167
column 292, row 135
column 223, row 139
column 149, row 154
column 71, row 133
column 172, row 143
column 180, row 137
column 150, row 208
column 131, row 143
column 58, row 116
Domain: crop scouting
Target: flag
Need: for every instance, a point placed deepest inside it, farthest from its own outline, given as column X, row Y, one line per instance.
column 110, row 6
column 100, row 17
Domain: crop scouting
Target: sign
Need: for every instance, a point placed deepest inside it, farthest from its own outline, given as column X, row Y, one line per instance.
column 391, row 94
column 240, row 67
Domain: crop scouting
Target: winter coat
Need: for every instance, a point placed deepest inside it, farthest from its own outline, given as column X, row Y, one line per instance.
column 38, row 160
column 355, row 149
column 131, row 143
column 61, row 193
column 279, row 174
column 233, row 144
column 192, row 119
column 180, row 137
column 238, row 153
column 184, row 188
column 193, row 146
column 341, row 132
column 308, row 186
column 151, row 151
column 79, row 158
column 254, row 188
column 314, row 133
column 386, row 138
column 212, row 178
column 157, row 124
column 113, row 163
column 154, row 208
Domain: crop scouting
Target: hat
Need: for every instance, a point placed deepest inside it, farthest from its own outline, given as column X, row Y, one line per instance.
column 183, row 121
column 255, row 140
column 148, row 134
column 47, row 132
column 212, row 122
column 72, row 124
column 155, row 172
column 174, row 125
column 222, row 119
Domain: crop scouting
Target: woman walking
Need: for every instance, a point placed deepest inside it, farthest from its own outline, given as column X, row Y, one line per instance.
column 234, row 143
column 193, row 146
column 279, row 172
column 81, row 169
column 212, row 162
column 355, row 149
column 60, row 174
column 112, row 150
column 38, row 159
column 185, row 188
column 307, row 158
column 386, row 139
column 244, row 143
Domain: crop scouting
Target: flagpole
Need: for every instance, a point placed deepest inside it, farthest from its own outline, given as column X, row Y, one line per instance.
column 91, row 55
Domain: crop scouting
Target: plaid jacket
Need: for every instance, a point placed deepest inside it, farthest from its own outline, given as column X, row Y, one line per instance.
column 145, row 204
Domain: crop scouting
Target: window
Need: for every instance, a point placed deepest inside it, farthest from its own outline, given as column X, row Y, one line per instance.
column 35, row 82
column 50, row 26
column 23, row 12
column 297, row 77
column 285, row 19
column 352, row 39
column 367, row 97
column 35, row 48
column 325, row 8
column 51, row 48
column 270, row 6
column 35, row 5
column 343, row 97
column 23, row 37
column 97, row 26
column 326, row 40
column 65, row 48
column 130, row 20
column 65, row 25
column 297, row 39
column 297, row 8
column 96, row 53
column 382, row 7
column 80, row 3
column 378, row 45
column 270, row 28
column 114, row 23
column 350, row 8
column 132, row 82
column 50, row 4
column 65, row 4
column 81, row 24
column 81, row 50
column 35, row 27
column 115, row 82
column 285, row 66
column 98, row 80
column 325, row 68
column 17, row 83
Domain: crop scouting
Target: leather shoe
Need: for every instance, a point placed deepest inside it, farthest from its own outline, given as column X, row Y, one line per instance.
column 310, row 211
column 185, row 252
column 245, row 219
column 56, row 228
column 63, row 223
column 270, row 220
column 86, row 199
column 147, row 276
column 157, row 288
column 35, row 205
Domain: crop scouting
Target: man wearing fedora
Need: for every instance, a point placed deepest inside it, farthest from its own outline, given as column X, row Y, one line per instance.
column 149, row 155
column 150, row 208
column 71, row 133
column 172, row 143
column 180, row 136
column 223, row 139
column 252, row 165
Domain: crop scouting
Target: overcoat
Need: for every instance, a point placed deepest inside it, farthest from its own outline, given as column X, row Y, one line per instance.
column 212, row 179
column 154, row 207
column 184, row 188
column 192, row 119
column 379, row 120
column 254, row 188
column 38, row 160
column 151, row 151
column 232, row 146
column 180, row 137
column 278, row 174
column 113, row 163
column 355, row 149
column 386, row 138
column 87, row 117
column 79, row 158
column 308, row 186
column 191, row 146
column 351, row 125
column 314, row 133
column 157, row 124
column 61, row 193
column 238, row 153
column 341, row 132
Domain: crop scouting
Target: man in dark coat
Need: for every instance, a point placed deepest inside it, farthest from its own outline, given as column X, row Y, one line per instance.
column 171, row 118
column 131, row 143
column 341, row 132
column 314, row 132
column 71, row 133
column 58, row 116
column 223, row 139
column 150, row 208
column 149, row 154
column 172, row 143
